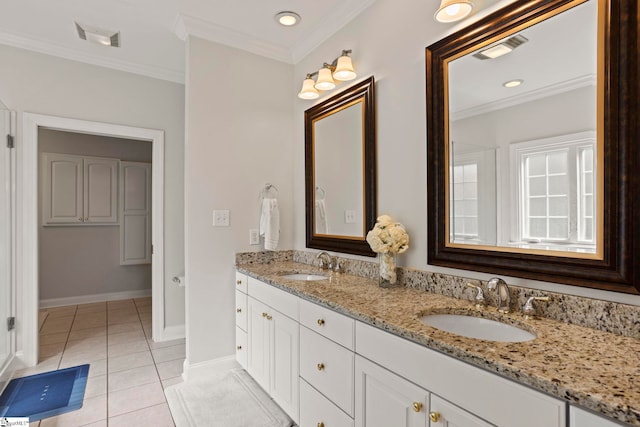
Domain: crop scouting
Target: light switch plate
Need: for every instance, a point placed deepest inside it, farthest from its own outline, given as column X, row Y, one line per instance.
column 220, row 218
column 254, row 236
column 349, row 217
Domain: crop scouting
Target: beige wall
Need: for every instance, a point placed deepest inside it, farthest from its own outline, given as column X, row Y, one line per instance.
column 85, row 260
column 239, row 121
column 37, row 83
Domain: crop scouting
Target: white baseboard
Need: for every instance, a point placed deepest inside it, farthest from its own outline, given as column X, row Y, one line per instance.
column 203, row 369
column 87, row 299
column 170, row 333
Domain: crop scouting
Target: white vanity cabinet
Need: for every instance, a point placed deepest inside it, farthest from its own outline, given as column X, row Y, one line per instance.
column 273, row 343
column 581, row 418
column 78, row 190
column 241, row 319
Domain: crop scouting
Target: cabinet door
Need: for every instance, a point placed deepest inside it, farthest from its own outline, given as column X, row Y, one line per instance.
column 445, row 414
column 62, row 192
column 384, row 399
column 100, row 190
column 582, row 418
column 284, row 362
column 135, row 213
column 259, row 341
column 316, row 410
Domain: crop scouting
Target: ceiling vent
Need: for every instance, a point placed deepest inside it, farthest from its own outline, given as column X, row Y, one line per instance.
column 98, row 35
column 502, row 48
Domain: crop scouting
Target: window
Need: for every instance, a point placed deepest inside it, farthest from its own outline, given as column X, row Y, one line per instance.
column 556, row 189
column 464, row 203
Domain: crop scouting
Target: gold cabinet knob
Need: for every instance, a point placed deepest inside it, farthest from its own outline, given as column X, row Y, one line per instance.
column 269, row 317
column 321, row 424
column 417, row 406
column 238, row 310
column 238, row 282
column 434, row 416
column 320, row 366
column 320, row 322
column 264, row 314
column 239, row 347
column 86, row 218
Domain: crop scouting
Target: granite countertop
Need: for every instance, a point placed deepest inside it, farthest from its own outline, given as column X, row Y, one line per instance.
column 593, row 369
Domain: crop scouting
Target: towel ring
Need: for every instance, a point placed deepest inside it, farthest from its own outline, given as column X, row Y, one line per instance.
column 320, row 193
column 267, row 188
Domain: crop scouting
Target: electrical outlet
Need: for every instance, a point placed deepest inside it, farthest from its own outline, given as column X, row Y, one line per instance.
column 349, row 217
column 221, row 218
column 254, row 236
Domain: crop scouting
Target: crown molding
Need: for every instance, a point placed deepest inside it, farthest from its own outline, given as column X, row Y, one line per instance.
column 554, row 89
column 186, row 25
column 46, row 48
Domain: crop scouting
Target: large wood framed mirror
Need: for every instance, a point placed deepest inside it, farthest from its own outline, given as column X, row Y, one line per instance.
column 532, row 144
column 340, row 170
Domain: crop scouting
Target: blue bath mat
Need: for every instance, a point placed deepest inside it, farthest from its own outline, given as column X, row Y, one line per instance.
column 45, row 395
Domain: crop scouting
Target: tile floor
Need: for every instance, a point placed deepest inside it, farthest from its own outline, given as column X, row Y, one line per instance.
column 128, row 371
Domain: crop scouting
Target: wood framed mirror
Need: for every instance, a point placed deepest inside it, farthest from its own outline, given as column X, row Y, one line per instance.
column 519, row 183
column 340, row 170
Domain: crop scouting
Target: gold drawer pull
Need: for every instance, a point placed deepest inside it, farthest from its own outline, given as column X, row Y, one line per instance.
column 417, row 406
column 238, row 282
column 434, row 416
column 320, row 322
column 320, row 366
column 320, row 424
column 238, row 310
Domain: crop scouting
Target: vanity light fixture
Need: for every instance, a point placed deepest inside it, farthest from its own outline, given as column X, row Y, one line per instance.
column 288, row 19
column 453, row 10
column 502, row 48
column 340, row 70
column 513, row 83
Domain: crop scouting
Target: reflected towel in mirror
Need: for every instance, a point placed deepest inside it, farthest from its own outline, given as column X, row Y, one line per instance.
column 322, row 227
column 270, row 223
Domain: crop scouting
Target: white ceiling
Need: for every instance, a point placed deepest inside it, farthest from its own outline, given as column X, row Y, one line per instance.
column 152, row 31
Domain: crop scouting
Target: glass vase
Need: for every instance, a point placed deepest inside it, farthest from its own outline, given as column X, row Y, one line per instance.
column 387, row 276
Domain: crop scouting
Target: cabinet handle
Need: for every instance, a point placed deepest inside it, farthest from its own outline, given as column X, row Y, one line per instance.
column 320, row 366
column 81, row 219
column 238, row 282
column 434, row 416
column 321, row 424
column 239, row 347
column 417, row 406
column 238, row 310
column 320, row 322
column 269, row 317
column 264, row 314
column 86, row 218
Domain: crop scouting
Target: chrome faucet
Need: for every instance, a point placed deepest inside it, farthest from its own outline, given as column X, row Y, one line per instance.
column 325, row 260
column 504, row 296
column 479, row 300
column 528, row 309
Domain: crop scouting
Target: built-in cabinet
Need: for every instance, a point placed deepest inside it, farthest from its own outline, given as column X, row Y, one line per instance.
column 79, row 190
column 352, row 374
column 135, row 213
column 581, row 418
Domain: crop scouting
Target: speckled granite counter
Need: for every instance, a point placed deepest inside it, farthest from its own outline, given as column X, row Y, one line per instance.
column 593, row 369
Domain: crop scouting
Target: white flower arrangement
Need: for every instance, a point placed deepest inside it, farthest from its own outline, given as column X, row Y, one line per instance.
column 388, row 238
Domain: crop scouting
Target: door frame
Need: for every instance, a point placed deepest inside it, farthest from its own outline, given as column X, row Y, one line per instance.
column 28, row 214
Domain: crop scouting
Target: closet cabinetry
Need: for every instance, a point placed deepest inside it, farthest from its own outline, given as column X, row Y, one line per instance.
column 78, row 190
column 273, row 343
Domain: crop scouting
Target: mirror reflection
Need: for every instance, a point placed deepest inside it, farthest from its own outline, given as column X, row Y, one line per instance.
column 338, row 173
column 523, row 150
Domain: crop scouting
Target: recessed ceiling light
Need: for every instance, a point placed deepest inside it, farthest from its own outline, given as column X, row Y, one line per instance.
column 288, row 19
column 513, row 83
column 98, row 35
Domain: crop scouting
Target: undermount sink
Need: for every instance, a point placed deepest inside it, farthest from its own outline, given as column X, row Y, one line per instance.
column 477, row 327
column 306, row 277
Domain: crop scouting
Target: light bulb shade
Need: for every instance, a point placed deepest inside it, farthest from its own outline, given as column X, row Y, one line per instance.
column 325, row 81
column 308, row 90
column 344, row 69
column 453, row 10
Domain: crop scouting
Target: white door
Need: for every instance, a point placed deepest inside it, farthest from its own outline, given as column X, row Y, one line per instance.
column 445, row 414
column 258, row 359
column 62, row 189
column 285, row 363
column 100, row 190
column 135, row 213
column 385, row 399
column 6, row 252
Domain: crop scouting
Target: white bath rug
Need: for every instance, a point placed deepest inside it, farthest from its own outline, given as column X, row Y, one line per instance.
column 225, row 399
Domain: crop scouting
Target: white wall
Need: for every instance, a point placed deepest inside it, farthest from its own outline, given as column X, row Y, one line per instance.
column 37, row 83
column 238, row 125
column 85, row 260
column 389, row 41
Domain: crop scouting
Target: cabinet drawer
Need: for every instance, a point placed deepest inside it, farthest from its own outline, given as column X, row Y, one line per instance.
column 241, row 310
column 328, row 367
column 241, row 347
column 317, row 410
column 464, row 385
column 328, row 323
column 241, row 282
column 282, row 301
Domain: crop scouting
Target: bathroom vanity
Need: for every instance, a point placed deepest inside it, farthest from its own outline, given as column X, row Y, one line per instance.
column 344, row 352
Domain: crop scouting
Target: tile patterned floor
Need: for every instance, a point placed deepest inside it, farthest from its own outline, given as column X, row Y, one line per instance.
column 128, row 370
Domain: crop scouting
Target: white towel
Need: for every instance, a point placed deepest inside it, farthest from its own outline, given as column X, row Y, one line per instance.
column 270, row 223
column 321, row 218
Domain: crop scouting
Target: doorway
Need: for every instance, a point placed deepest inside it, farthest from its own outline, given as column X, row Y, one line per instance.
column 27, row 268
